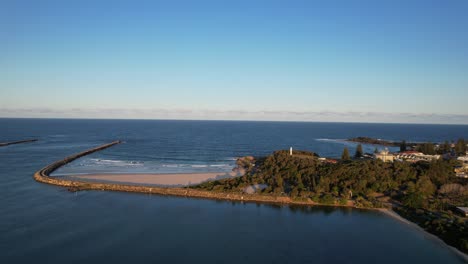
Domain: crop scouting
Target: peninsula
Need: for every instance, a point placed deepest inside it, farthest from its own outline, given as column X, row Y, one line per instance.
column 426, row 193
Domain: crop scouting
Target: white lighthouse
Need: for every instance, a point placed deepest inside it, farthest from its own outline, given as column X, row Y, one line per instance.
column 290, row 151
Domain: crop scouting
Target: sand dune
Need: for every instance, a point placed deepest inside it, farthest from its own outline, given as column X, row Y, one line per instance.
column 159, row 179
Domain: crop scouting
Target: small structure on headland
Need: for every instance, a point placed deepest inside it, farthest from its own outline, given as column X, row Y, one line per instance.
column 290, row 151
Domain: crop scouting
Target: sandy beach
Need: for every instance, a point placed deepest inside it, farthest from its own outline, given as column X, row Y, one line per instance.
column 168, row 179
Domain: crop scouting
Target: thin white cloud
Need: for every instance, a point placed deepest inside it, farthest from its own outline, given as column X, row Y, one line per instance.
column 211, row 114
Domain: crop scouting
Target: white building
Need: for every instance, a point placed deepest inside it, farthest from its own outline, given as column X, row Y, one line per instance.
column 463, row 159
column 414, row 156
column 384, row 155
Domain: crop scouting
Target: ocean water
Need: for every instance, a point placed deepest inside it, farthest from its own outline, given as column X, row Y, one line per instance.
column 48, row 224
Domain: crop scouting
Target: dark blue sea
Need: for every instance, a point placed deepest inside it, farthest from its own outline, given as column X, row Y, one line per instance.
column 47, row 224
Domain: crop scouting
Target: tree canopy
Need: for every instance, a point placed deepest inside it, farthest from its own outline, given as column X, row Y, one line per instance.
column 403, row 146
column 359, row 152
column 345, row 154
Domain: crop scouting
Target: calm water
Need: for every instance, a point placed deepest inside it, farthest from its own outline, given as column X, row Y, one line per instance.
column 48, row 224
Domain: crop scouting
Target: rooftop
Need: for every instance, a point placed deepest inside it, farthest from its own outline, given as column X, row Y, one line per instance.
column 410, row 152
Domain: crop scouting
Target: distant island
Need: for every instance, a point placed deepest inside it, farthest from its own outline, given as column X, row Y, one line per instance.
column 376, row 141
column 426, row 191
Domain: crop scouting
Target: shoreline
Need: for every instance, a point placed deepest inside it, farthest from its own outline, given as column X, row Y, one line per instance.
column 43, row 176
column 157, row 179
column 391, row 213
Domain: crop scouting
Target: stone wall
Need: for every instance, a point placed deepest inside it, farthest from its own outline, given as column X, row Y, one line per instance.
column 17, row 142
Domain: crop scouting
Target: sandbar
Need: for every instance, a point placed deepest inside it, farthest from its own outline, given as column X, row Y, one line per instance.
column 168, row 179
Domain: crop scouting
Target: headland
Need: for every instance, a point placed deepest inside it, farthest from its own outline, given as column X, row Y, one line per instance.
column 302, row 178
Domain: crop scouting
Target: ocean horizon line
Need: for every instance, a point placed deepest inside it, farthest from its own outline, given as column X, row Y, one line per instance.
column 232, row 120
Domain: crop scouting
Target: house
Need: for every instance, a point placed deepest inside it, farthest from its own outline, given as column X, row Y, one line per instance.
column 384, row 155
column 414, row 156
column 463, row 159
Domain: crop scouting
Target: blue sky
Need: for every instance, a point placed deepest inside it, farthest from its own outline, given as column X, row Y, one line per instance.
column 353, row 61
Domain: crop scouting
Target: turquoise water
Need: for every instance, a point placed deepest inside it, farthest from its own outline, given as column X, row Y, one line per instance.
column 48, row 224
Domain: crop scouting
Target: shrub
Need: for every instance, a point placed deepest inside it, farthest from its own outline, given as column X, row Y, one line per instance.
column 327, row 199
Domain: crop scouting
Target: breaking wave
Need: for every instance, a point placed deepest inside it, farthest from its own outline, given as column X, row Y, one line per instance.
column 110, row 165
column 330, row 139
column 195, row 165
column 113, row 162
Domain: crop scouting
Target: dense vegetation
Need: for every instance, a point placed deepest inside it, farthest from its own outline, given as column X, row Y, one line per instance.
column 427, row 188
column 459, row 146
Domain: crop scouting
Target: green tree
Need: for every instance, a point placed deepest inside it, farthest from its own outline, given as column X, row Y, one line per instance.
column 376, row 150
column 294, row 193
column 345, row 155
column 359, row 153
column 414, row 200
column 279, row 184
column 327, row 199
column 444, row 148
column 427, row 148
column 403, row 146
column 425, row 186
column 460, row 147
